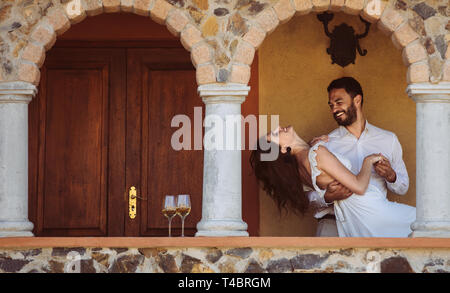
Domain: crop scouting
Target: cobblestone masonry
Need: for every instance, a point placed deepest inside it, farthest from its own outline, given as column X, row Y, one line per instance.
column 225, row 260
column 227, row 31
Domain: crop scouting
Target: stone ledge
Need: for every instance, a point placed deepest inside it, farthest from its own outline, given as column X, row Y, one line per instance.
column 439, row 92
column 267, row 242
column 228, row 89
column 17, row 88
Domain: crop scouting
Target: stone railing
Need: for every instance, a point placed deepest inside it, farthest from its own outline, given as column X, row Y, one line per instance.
column 224, row 255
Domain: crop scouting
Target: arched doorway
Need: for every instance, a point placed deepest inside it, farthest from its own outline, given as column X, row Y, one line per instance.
column 293, row 84
column 101, row 124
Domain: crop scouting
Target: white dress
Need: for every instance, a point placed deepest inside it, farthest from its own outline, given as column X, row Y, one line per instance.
column 368, row 215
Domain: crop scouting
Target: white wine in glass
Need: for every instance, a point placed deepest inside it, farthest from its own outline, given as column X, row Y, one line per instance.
column 183, row 209
column 169, row 209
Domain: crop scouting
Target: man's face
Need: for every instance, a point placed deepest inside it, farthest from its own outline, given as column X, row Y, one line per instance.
column 342, row 107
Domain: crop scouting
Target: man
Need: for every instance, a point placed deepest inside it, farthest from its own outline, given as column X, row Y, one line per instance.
column 355, row 139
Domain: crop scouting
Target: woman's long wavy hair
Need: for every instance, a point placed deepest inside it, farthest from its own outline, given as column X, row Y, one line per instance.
column 280, row 179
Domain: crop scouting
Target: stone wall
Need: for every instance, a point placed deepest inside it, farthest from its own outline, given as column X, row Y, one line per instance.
column 224, row 260
column 222, row 35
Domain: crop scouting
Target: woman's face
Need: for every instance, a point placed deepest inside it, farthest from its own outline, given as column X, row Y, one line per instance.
column 283, row 136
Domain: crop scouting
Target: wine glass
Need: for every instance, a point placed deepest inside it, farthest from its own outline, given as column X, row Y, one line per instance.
column 183, row 209
column 169, row 209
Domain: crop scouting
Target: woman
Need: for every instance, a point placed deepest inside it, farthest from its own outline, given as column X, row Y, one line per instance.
column 367, row 213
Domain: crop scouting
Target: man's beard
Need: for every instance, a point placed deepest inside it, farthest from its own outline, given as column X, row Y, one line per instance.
column 351, row 116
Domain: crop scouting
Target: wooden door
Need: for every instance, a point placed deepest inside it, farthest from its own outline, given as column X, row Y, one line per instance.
column 100, row 124
column 77, row 144
column 96, row 129
column 161, row 84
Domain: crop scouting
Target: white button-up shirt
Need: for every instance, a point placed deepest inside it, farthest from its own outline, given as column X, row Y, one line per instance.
column 373, row 140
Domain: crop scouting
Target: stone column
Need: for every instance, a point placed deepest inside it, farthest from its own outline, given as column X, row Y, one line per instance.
column 433, row 159
column 222, row 174
column 14, row 99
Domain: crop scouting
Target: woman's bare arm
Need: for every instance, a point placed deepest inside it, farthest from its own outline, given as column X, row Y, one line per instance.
column 328, row 163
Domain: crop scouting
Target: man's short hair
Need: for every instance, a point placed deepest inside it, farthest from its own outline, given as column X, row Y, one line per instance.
column 351, row 86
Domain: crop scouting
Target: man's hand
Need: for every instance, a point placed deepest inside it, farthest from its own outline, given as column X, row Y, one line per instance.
column 384, row 169
column 336, row 191
column 317, row 139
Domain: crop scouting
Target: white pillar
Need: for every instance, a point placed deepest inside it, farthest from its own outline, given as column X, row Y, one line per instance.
column 14, row 99
column 433, row 159
column 222, row 175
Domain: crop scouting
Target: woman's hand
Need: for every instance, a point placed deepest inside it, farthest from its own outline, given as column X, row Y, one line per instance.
column 384, row 169
column 374, row 158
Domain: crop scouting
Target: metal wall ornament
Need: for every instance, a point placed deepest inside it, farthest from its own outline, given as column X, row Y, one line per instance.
column 343, row 40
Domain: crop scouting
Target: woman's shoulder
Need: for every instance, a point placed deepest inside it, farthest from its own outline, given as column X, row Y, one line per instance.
column 318, row 153
column 323, row 156
column 320, row 149
column 319, row 145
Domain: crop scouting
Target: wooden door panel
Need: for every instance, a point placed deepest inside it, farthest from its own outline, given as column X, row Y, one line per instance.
column 80, row 91
column 75, row 156
column 169, row 171
column 166, row 82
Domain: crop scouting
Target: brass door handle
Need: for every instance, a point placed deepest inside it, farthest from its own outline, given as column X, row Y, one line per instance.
column 132, row 195
column 135, row 196
column 132, row 202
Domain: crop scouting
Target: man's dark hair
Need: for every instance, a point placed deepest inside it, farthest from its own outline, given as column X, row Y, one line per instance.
column 351, row 86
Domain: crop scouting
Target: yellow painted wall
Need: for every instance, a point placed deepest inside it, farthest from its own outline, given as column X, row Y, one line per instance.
column 294, row 72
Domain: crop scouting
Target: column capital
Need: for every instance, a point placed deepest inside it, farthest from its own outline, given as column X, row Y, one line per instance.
column 16, row 92
column 429, row 93
column 223, row 93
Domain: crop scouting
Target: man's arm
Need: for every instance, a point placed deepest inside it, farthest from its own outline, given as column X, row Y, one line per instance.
column 395, row 172
column 319, row 205
column 335, row 191
column 317, row 202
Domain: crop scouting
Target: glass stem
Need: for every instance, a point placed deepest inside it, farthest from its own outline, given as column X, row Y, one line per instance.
column 182, row 226
column 170, row 223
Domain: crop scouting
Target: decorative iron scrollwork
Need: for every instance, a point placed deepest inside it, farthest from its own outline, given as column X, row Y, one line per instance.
column 343, row 41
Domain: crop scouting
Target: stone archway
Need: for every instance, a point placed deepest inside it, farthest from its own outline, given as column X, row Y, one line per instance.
column 223, row 37
column 431, row 94
column 15, row 96
column 388, row 20
column 415, row 57
column 223, row 89
column 59, row 19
